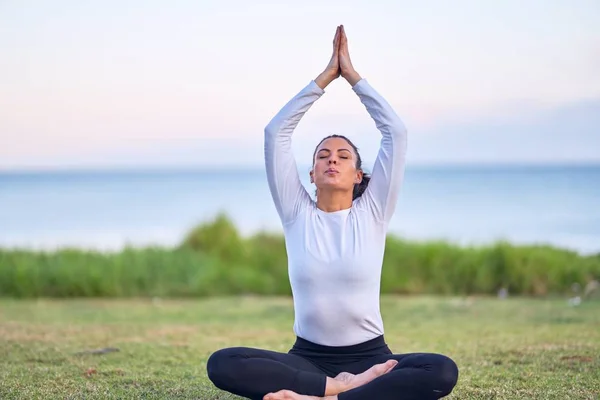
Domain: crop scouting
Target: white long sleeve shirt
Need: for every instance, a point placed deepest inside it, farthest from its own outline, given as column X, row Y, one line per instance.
column 335, row 258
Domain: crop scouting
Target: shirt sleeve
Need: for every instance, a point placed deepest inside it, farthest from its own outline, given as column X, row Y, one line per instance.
column 285, row 186
column 382, row 192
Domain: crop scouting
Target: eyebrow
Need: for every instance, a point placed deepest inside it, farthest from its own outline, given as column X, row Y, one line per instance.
column 325, row 149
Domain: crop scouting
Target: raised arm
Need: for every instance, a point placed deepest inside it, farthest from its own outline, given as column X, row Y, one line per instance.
column 282, row 174
column 286, row 188
column 382, row 192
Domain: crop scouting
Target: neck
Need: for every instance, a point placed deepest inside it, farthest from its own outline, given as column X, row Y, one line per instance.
column 331, row 201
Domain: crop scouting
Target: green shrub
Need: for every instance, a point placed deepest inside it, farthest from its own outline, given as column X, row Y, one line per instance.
column 214, row 259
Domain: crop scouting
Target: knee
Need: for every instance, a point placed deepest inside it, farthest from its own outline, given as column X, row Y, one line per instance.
column 447, row 374
column 220, row 367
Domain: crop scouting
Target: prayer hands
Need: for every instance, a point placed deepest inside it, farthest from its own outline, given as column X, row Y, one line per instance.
column 340, row 63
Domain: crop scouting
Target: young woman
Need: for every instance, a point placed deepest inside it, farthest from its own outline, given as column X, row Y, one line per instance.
column 335, row 250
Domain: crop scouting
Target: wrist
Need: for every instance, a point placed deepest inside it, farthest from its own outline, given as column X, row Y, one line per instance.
column 324, row 79
column 352, row 77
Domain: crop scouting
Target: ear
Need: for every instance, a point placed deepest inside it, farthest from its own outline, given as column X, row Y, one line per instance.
column 312, row 178
column 359, row 177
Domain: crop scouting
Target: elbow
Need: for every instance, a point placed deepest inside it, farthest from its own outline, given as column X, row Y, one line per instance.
column 398, row 129
column 271, row 131
column 397, row 138
column 273, row 127
column 396, row 133
column 402, row 136
column 269, row 135
column 392, row 126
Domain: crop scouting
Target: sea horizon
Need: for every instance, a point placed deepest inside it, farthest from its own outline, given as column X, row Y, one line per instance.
column 461, row 203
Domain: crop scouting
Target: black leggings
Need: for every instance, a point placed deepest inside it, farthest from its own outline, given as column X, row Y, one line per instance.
column 252, row 373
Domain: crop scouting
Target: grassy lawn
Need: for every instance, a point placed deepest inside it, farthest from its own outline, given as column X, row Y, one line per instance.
column 505, row 349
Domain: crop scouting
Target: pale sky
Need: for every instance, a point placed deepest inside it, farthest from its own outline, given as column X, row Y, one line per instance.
column 192, row 83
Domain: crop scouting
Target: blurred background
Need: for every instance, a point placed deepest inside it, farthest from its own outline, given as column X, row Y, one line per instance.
column 129, row 124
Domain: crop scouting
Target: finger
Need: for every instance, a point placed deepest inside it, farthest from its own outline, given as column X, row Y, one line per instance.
column 336, row 42
column 391, row 364
column 336, row 37
column 343, row 38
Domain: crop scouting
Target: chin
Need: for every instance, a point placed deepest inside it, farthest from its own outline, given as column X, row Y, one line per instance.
column 330, row 186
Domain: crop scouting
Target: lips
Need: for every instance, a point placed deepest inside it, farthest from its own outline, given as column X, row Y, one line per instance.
column 331, row 171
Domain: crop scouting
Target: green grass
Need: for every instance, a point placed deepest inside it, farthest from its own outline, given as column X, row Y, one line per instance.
column 506, row 349
column 214, row 259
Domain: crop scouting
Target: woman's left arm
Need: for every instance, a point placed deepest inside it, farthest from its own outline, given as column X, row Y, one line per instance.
column 382, row 192
column 388, row 172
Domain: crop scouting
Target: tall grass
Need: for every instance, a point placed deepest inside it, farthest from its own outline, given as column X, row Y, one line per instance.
column 214, row 259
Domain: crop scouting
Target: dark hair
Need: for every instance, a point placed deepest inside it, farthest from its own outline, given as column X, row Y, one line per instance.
column 359, row 188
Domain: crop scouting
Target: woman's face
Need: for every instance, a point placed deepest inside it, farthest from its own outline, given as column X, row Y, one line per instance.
column 334, row 166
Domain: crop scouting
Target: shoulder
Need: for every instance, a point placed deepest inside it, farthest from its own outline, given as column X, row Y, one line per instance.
column 303, row 209
column 364, row 209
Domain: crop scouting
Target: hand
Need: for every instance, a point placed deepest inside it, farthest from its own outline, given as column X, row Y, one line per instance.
column 346, row 67
column 332, row 71
column 350, row 381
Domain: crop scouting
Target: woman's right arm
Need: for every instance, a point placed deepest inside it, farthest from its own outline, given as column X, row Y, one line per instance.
column 286, row 188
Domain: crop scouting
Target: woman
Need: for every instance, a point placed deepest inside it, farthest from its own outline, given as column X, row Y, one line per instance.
column 335, row 250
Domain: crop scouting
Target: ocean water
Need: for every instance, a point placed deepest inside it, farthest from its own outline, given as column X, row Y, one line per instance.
column 466, row 205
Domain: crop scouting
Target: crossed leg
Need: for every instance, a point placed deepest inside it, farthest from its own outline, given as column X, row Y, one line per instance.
column 264, row 375
column 252, row 373
column 422, row 376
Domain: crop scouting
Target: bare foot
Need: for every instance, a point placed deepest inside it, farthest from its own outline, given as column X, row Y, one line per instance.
column 353, row 381
column 349, row 381
column 289, row 395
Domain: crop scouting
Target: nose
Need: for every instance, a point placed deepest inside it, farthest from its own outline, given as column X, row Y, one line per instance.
column 332, row 161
